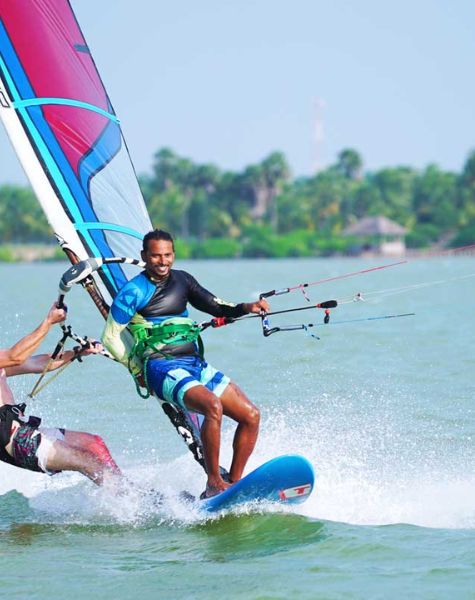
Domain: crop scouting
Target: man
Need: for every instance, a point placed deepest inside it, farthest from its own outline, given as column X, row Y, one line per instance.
column 23, row 442
column 155, row 303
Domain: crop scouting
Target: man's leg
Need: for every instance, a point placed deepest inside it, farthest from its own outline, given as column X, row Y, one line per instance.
column 201, row 400
column 237, row 406
column 85, row 453
column 94, row 444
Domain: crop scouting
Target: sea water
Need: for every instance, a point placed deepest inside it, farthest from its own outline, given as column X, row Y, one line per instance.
column 383, row 409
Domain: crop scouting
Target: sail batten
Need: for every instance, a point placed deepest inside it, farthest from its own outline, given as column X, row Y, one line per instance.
column 65, row 102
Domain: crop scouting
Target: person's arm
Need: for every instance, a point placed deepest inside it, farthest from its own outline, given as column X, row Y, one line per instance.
column 207, row 302
column 37, row 364
column 112, row 339
column 6, row 395
column 23, row 349
column 123, row 309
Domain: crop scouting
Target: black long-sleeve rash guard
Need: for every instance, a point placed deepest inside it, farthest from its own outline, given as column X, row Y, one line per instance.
column 170, row 298
column 157, row 300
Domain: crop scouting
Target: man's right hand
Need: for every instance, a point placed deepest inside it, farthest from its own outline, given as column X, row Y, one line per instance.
column 56, row 315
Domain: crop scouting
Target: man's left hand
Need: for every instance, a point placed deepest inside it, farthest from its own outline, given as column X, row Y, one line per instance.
column 259, row 307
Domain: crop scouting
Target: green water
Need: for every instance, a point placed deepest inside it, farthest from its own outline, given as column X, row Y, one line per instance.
column 383, row 409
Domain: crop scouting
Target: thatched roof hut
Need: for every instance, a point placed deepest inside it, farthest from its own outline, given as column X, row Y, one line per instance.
column 388, row 234
column 375, row 226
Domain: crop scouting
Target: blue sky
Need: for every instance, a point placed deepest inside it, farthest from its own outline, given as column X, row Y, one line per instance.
column 228, row 82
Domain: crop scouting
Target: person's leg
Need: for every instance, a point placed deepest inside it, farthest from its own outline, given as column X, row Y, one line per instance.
column 81, row 452
column 237, row 406
column 181, row 382
column 94, row 444
column 201, row 400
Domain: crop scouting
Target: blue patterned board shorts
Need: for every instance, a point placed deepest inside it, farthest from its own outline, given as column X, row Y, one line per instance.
column 170, row 379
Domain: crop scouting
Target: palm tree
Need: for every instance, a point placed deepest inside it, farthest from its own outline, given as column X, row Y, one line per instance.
column 350, row 164
column 266, row 180
column 276, row 172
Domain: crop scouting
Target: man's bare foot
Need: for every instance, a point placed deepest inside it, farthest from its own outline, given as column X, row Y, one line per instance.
column 214, row 488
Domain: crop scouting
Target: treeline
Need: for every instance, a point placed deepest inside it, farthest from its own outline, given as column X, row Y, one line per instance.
column 263, row 211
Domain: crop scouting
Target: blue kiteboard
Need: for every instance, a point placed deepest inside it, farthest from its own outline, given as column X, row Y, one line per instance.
column 286, row 479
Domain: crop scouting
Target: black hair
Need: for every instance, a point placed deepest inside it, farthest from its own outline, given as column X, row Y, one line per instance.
column 157, row 234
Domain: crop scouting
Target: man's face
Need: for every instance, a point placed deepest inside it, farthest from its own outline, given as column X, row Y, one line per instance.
column 158, row 258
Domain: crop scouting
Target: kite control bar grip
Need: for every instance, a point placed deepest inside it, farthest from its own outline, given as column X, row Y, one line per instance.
column 274, row 293
column 327, row 304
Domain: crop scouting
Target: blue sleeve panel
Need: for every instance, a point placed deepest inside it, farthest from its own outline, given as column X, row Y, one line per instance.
column 131, row 298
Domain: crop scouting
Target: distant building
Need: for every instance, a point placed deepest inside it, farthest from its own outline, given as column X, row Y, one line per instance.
column 380, row 235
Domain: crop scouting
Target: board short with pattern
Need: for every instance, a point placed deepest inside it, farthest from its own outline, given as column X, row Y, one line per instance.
column 170, row 379
column 31, row 446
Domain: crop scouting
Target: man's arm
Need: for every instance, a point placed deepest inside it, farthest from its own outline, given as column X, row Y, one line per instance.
column 205, row 301
column 112, row 339
column 114, row 342
column 18, row 354
column 38, row 363
column 123, row 309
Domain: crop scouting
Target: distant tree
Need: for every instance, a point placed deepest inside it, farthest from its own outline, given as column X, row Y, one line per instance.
column 293, row 205
column 166, row 210
column 166, row 170
column 350, row 164
column 21, row 217
column 205, row 177
column 266, row 180
column 329, row 189
column 234, row 196
column 465, row 196
column 434, row 198
column 276, row 173
column 367, row 199
column 465, row 236
column 272, row 215
column 200, row 188
column 254, row 180
column 395, row 190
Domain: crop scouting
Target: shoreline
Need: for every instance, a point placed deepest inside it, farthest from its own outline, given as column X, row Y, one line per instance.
column 31, row 253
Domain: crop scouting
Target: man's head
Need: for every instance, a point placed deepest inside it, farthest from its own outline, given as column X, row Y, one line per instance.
column 158, row 253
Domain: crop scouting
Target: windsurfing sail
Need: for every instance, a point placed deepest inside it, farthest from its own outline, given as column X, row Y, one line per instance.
column 61, row 122
column 68, row 138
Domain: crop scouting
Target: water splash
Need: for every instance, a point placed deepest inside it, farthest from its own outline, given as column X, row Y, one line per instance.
column 378, row 461
column 372, row 468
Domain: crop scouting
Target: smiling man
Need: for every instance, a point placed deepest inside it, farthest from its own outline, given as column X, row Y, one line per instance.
column 167, row 353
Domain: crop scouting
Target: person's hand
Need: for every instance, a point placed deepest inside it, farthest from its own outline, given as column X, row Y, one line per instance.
column 259, row 307
column 56, row 315
column 93, row 347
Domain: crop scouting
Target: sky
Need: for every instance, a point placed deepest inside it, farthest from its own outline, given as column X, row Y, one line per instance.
column 230, row 81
